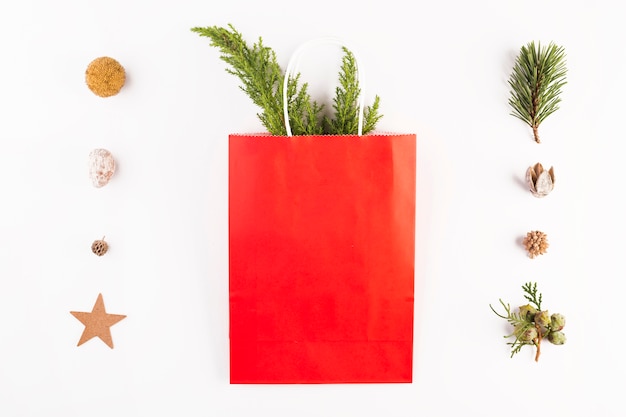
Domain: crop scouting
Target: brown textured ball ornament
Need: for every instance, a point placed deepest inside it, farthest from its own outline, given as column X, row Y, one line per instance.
column 105, row 76
column 99, row 247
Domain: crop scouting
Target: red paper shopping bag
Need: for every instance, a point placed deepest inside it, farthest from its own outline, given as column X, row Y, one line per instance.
column 321, row 256
column 321, row 240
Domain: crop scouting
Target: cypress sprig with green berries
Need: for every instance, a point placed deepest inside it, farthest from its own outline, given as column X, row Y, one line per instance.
column 263, row 79
column 531, row 324
column 536, row 81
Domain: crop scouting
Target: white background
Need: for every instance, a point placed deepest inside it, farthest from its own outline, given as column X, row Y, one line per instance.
column 440, row 69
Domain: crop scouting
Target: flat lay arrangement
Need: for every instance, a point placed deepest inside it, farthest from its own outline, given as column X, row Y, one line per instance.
column 104, row 77
column 346, row 209
column 536, row 85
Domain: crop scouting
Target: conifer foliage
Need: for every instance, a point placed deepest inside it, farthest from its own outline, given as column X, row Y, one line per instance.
column 536, row 81
column 262, row 80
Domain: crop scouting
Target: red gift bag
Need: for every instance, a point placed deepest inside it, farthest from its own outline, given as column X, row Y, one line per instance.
column 321, row 258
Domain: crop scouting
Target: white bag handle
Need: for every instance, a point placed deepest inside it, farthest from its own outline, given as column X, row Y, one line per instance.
column 290, row 68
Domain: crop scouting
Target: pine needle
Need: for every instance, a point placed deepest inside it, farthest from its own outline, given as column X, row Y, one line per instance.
column 536, row 81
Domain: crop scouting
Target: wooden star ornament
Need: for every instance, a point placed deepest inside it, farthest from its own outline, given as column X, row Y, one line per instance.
column 97, row 323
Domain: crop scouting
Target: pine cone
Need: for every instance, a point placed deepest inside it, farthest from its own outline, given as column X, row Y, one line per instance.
column 99, row 247
column 536, row 243
column 540, row 181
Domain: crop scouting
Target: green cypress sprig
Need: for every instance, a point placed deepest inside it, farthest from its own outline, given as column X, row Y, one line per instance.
column 522, row 328
column 531, row 324
column 530, row 290
column 536, row 81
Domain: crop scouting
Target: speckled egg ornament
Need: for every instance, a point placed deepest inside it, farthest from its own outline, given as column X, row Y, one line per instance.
column 101, row 167
column 105, row 76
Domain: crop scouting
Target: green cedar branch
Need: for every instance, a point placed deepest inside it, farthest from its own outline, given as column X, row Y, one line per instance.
column 262, row 80
column 346, row 101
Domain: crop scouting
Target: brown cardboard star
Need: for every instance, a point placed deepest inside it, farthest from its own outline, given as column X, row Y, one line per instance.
column 97, row 323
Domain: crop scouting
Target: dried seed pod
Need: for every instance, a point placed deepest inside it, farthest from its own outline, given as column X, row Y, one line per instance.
column 99, row 247
column 536, row 243
column 540, row 181
column 101, row 167
column 105, row 76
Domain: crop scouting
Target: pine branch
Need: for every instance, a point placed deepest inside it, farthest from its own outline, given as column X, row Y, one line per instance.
column 536, row 82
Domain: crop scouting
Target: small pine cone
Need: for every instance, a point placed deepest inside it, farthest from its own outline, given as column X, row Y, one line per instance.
column 99, row 247
column 536, row 243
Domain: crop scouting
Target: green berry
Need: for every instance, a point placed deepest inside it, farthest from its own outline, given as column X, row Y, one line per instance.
column 529, row 334
column 557, row 338
column 542, row 318
column 557, row 322
column 527, row 312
